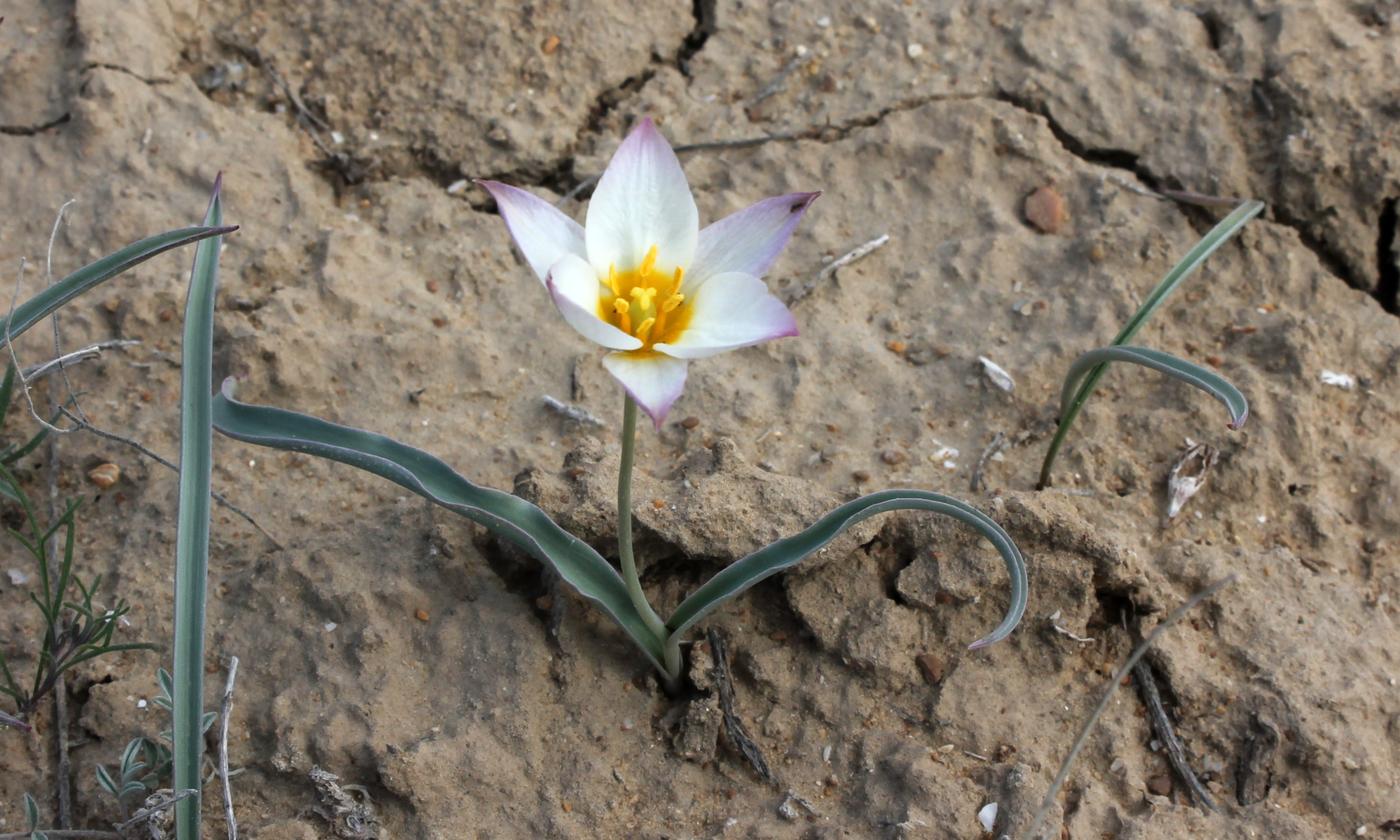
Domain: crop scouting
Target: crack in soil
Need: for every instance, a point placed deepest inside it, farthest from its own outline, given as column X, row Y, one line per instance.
column 103, row 65
column 31, row 130
column 1388, row 258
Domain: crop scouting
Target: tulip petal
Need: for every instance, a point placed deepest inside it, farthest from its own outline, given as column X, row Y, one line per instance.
column 574, row 286
column 653, row 380
column 543, row 234
column 729, row 311
column 642, row 200
column 750, row 240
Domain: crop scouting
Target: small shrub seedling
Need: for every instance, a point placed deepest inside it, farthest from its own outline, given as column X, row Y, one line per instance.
column 1088, row 369
column 146, row 762
column 645, row 282
column 76, row 628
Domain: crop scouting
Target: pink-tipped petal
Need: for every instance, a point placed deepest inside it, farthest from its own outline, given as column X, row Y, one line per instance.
column 653, row 380
column 575, row 289
column 730, row 311
column 642, row 200
column 543, row 234
column 750, row 240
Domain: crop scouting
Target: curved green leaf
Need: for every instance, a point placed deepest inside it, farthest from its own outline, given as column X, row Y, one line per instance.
column 509, row 516
column 1209, row 381
column 42, row 305
column 192, row 529
column 788, row 552
column 1209, row 244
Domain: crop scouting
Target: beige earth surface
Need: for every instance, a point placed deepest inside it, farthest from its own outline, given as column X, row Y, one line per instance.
column 409, row 653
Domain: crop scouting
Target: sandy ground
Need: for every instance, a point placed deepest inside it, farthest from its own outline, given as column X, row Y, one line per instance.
column 408, row 652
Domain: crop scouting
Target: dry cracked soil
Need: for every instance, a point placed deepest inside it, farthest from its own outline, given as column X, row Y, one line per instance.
column 457, row 692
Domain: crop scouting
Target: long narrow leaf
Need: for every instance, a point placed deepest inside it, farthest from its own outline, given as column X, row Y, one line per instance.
column 1218, row 235
column 1209, row 381
column 785, row 553
column 192, row 534
column 1209, row 244
column 42, row 305
column 509, row 516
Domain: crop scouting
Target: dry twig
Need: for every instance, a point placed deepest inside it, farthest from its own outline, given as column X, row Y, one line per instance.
column 223, row 748
column 1034, row 831
column 139, row 447
column 733, row 727
column 1176, row 753
column 857, row 253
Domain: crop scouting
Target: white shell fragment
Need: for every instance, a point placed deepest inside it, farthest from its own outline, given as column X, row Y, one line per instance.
column 17, row 577
column 1188, row 476
column 997, row 374
column 1345, row 381
column 988, row 816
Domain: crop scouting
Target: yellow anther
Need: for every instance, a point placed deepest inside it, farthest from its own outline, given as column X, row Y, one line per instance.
column 643, row 295
column 624, row 315
column 676, row 281
column 648, row 262
column 645, row 327
column 612, row 281
column 672, row 302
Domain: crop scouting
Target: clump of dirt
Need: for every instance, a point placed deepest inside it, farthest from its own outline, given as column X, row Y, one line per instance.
column 406, row 652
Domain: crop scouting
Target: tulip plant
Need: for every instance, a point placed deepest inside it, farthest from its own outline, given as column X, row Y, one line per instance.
column 644, row 281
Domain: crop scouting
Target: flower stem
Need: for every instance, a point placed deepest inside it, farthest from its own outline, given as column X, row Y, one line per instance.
column 624, row 543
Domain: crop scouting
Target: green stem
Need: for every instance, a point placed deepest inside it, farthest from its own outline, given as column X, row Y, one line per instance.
column 1066, row 421
column 624, row 543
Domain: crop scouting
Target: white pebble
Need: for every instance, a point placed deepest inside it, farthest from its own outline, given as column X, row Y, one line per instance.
column 997, row 374
column 823, row 21
column 17, row 577
column 456, row 187
column 1345, row 381
column 141, row 704
column 914, row 51
column 329, row 626
column 988, row 816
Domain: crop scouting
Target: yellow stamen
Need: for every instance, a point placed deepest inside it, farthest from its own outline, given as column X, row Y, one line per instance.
column 676, row 281
column 644, row 328
column 624, row 315
column 666, row 309
column 648, row 262
column 612, row 281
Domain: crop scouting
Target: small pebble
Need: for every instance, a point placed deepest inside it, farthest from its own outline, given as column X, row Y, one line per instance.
column 439, row 322
column 1160, row 785
column 658, row 503
column 914, row 50
column 568, row 807
column 690, row 422
column 893, row 457
column 17, row 577
column 932, row 667
column 894, row 345
column 105, row 475
column 988, row 816
column 432, row 286
column 550, row 44
column 1045, row 210
column 421, row 614
column 861, row 476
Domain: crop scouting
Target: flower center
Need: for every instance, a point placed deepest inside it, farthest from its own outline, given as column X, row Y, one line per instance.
column 645, row 303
